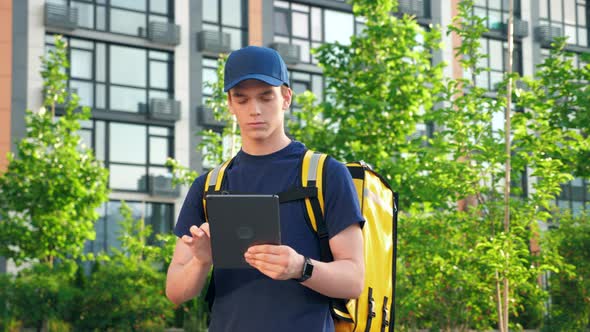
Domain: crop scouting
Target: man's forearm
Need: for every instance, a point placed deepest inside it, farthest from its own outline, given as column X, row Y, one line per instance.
column 339, row 279
column 186, row 281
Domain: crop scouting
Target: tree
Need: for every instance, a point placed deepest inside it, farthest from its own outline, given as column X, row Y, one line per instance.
column 52, row 187
column 454, row 257
column 126, row 291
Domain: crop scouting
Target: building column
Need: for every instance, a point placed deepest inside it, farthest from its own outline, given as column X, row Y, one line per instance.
column 5, row 80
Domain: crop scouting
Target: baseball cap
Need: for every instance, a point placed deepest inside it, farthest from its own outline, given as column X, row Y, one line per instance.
column 254, row 62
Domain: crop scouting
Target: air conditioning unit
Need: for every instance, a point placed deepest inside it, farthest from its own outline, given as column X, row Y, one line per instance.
column 164, row 33
column 164, row 109
column 60, row 16
column 290, row 53
column 206, row 118
column 412, row 7
column 521, row 28
column 545, row 34
column 214, row 41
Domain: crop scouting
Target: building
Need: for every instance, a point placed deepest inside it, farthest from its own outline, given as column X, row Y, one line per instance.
column 141, row 65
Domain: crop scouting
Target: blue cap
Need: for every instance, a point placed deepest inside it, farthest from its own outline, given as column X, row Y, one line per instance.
column 253, row 62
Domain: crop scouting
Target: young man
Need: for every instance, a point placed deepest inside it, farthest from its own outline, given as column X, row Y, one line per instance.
column 276, row 295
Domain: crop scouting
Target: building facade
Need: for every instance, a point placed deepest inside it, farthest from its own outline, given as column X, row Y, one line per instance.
column 141, row 66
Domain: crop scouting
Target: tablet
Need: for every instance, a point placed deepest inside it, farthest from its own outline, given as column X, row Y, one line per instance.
column 237, row 222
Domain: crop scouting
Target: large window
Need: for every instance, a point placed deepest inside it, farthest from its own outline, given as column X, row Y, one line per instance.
column 497, row 62
column 575, row 195
column 132, row 152
column 303, row 81
column 309, row 26
column 229, row 16
column 496, row 12
column 128, row 17
column 569, row 15
column 157, row 215
column 118, row 78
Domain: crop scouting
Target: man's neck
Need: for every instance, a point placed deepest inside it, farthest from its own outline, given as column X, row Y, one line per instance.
column 262, row 148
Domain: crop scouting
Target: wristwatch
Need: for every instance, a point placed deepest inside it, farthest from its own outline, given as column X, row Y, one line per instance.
column 307, row 270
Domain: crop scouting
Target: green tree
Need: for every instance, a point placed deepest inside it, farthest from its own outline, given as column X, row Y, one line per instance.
column 52, row 187
column 570, row 294
column 126, row 291
column 455, row 252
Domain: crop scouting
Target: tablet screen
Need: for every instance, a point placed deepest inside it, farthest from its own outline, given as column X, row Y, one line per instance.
column 237, row 222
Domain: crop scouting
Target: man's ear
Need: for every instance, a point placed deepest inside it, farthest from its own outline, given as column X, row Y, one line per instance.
column 287, row 96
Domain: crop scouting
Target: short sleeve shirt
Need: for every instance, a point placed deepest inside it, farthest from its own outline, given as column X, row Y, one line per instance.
column 247, row 300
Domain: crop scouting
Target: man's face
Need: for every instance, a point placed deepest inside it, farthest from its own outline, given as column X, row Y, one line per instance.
column 259, row 109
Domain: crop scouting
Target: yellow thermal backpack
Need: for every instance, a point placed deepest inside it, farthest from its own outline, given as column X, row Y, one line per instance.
column 373, row 310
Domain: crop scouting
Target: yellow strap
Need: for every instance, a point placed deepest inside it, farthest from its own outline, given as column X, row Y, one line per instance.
column 305, row 176
column 220, row 172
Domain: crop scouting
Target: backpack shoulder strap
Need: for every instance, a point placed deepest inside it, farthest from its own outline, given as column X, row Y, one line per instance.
column 213, row 183
column 312, row 176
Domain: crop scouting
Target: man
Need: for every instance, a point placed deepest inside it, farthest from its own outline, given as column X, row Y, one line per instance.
column 277, row 295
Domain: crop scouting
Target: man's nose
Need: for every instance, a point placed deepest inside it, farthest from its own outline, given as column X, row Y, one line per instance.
column 254, row 108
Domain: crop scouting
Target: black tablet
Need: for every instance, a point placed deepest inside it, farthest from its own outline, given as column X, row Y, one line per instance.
column 237, row 222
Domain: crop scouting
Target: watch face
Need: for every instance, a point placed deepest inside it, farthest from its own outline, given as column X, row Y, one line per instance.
column 308, row 269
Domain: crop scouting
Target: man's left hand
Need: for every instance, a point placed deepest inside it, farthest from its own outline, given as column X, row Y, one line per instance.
column 276, row 262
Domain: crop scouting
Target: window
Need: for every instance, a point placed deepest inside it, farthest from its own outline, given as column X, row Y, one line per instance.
column 128, row 17
column 229, row 16
column 303, row 81
column 117, row 78
column 571, row 16
column 575, row 195
column 132, row 152
column 309, row 26
column 496, row 12
column 497, row 62
column 157, row 215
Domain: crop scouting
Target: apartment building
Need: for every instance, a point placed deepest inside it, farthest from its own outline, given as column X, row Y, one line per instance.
column 141, row 66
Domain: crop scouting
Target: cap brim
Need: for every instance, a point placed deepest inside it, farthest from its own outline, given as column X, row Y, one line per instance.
column 264, row 78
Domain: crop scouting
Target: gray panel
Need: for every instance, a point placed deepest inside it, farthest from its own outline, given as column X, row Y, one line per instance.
column 267, row 22
column 195, row 93
column 19, row 69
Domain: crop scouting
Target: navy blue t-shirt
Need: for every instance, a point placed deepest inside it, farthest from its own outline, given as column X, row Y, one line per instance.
column 247, row 300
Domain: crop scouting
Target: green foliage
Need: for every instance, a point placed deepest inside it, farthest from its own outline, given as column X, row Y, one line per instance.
column 126, row 291
column 570, row 293
column 454, row 250
column 51, row 189
column 43, row 293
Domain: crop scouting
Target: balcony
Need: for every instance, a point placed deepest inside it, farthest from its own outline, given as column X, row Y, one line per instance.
column 60, row 16
column 164, row 109
column 214, row 41
column 164, row 33
column 290, row 53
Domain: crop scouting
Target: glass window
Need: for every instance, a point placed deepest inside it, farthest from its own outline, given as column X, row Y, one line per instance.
column 81, row 64
column 570, row 16
column 159, row 6
column 158, row 74
column 128, row 143
column 281, row 22
column 126, row 177
column 127, row 22
column 227, row 16
column 210, row 11
column 339, row 27
column 300, row 26
column 130, row 4
column 231, row 13
column 85, row 14
column 129, row 67
column 84, row 90
column 126, row 99
column 158, row 150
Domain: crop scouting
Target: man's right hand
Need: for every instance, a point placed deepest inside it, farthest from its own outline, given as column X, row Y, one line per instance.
column 199, row 243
